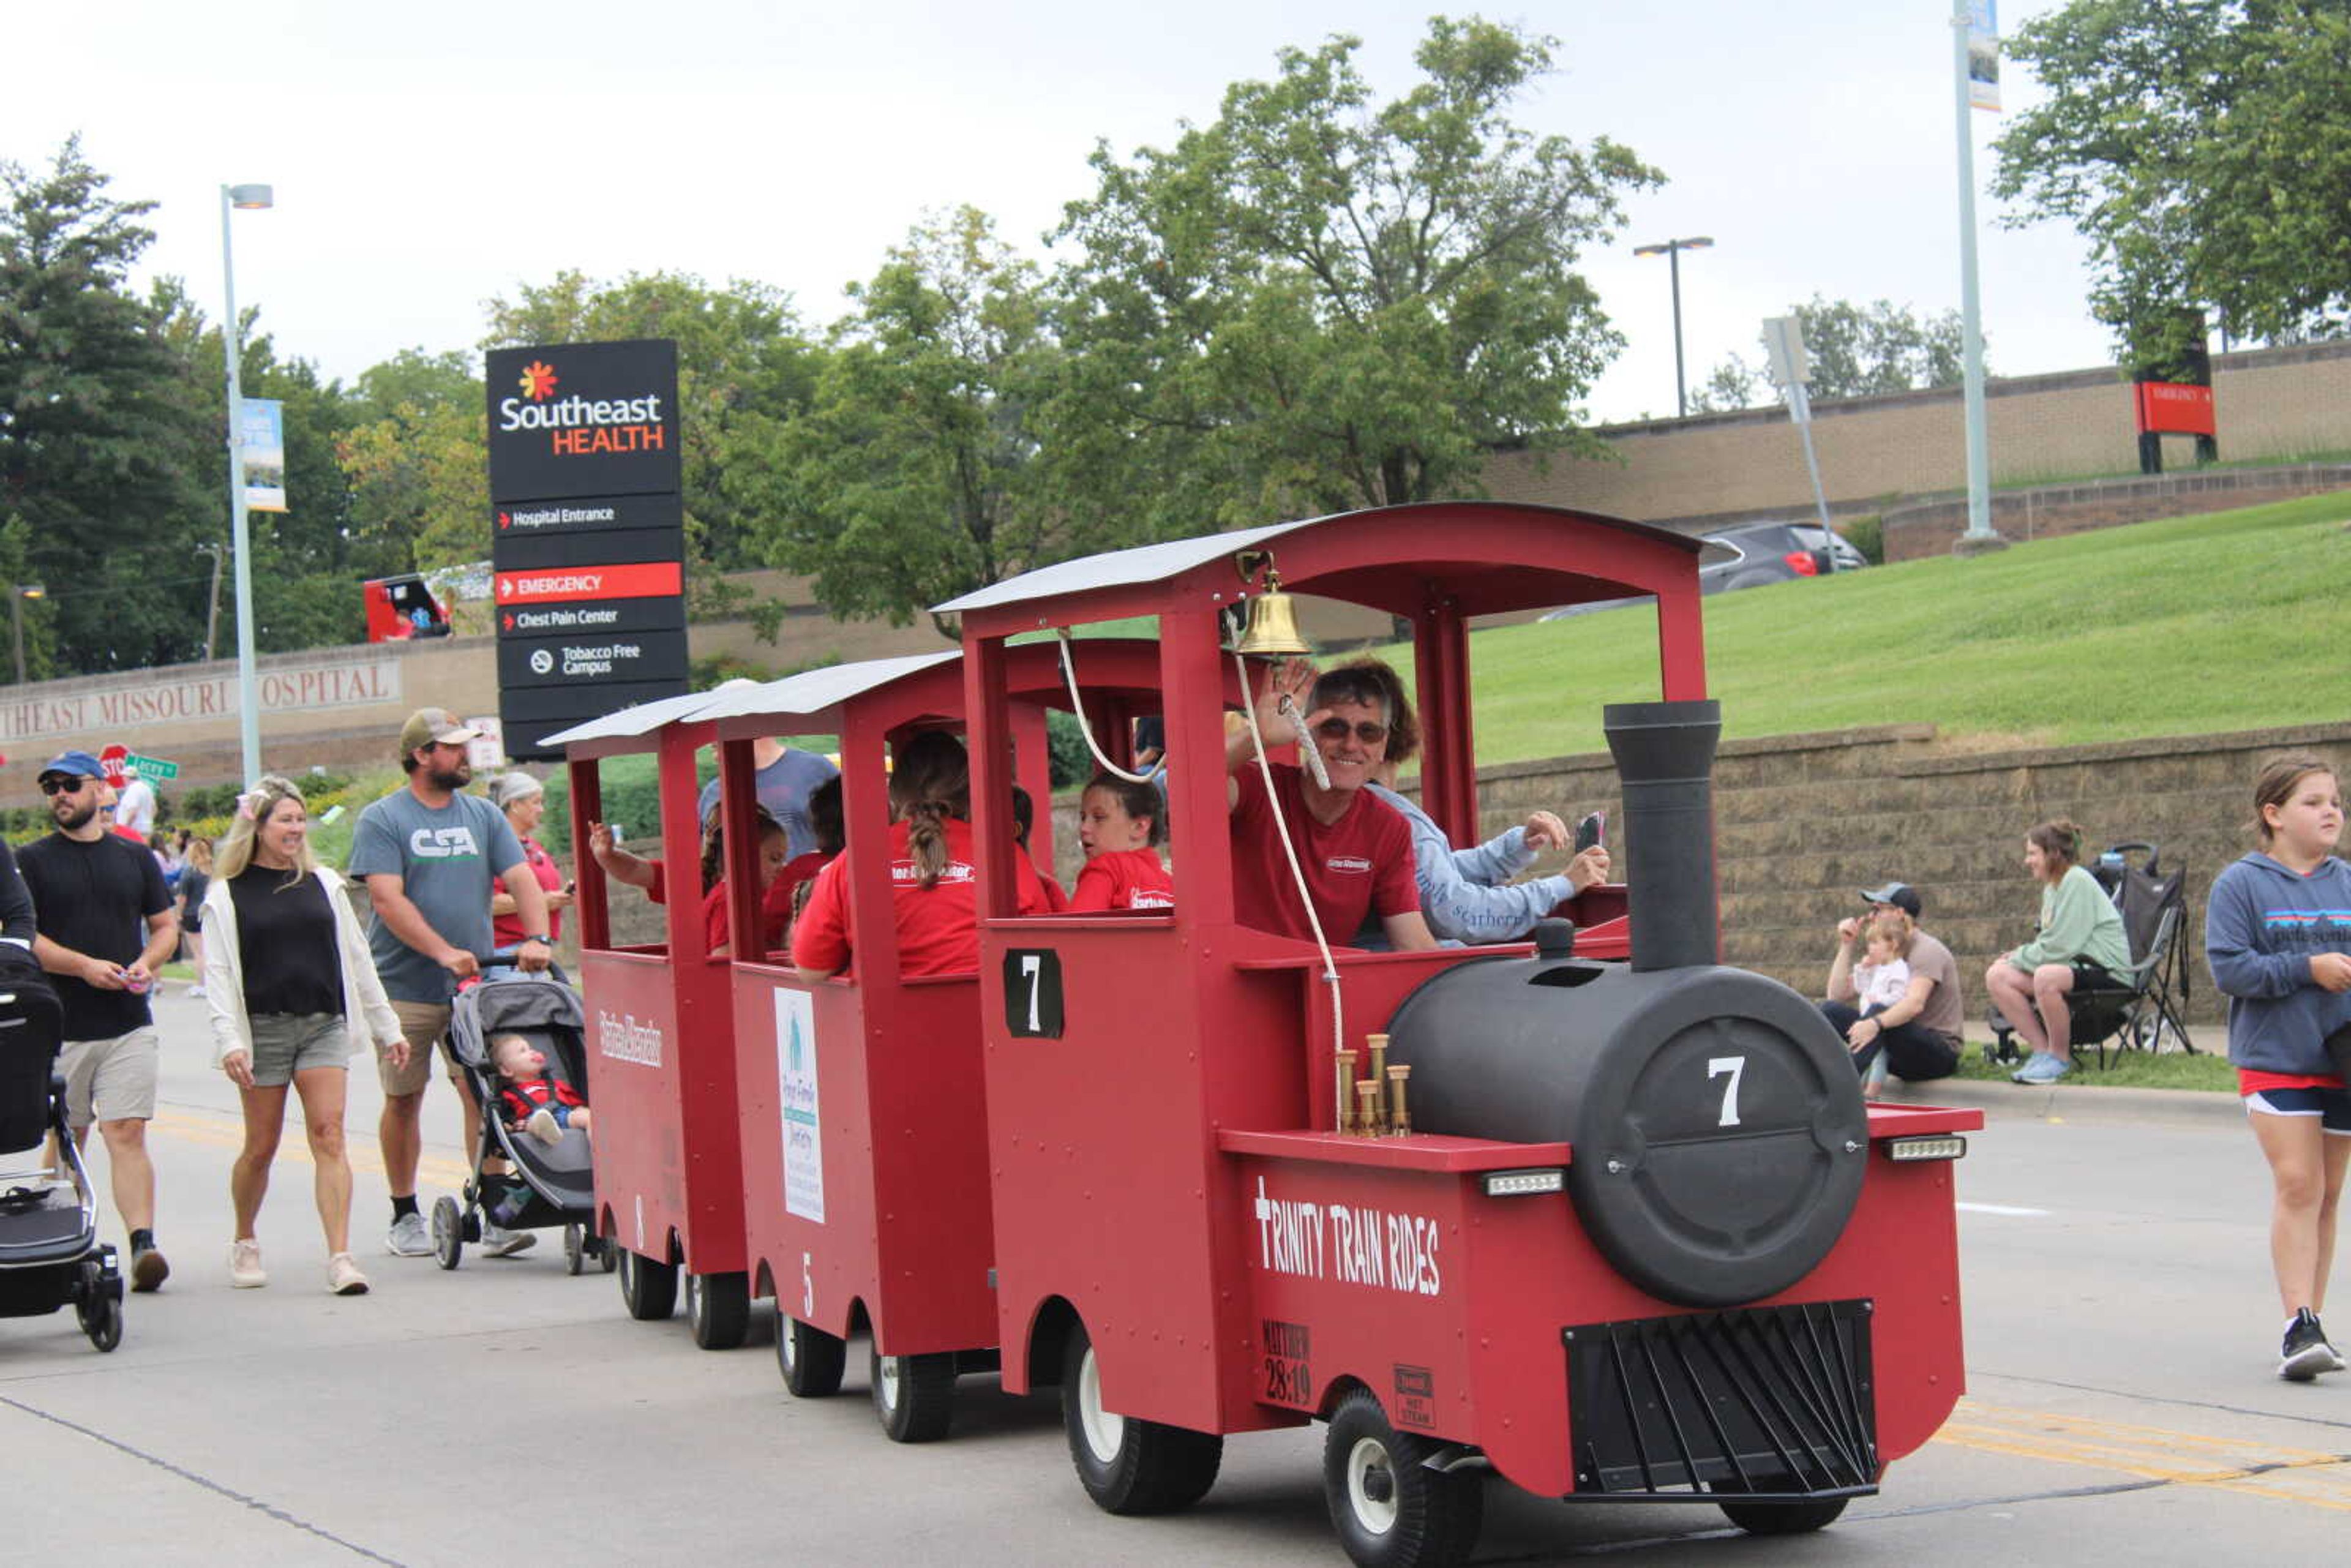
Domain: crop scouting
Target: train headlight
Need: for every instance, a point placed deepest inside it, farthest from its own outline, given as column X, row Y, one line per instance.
column 1524, row 1183
column 1943, row 1147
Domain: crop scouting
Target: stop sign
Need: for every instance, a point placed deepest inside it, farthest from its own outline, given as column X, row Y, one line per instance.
column 116, row 762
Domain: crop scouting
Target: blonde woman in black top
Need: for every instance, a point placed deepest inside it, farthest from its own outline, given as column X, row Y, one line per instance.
column 294, row 997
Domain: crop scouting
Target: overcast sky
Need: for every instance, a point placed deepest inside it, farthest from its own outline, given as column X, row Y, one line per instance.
column 429, row 156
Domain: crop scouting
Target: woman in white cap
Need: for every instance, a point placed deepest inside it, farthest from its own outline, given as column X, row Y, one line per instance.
column 523, row 801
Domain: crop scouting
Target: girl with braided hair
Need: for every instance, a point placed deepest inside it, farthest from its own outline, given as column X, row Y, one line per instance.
column 934, row 888
column 2081, row 942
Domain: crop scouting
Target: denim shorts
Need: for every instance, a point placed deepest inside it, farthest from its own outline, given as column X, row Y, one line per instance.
column 286, row 1043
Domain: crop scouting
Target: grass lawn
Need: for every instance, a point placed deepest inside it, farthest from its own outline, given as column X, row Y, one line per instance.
column 2180, row 626
column 2127, row 1070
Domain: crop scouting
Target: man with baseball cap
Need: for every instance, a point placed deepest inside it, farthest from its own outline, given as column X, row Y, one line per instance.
column 431, row 855
column 1921, row 1031
column 94, row 896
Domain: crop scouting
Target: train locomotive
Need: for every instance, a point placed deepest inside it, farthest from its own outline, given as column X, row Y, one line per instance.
column 1631, row 1232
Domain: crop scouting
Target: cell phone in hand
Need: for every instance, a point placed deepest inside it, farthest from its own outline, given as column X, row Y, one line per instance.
column 1591, row 831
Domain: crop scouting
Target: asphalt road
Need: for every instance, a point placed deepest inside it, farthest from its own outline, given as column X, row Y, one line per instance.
column 2120, row 1329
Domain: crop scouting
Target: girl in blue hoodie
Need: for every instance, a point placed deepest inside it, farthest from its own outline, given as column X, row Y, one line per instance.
column 2278, row 935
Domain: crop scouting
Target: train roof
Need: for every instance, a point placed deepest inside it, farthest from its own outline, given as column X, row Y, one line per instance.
column 815, row 691
column 1160, row 563
column 631, row 723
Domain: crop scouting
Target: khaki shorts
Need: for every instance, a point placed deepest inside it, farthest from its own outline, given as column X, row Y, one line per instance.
column 424, row 1025
column 110, row 1080
column 285, row 1044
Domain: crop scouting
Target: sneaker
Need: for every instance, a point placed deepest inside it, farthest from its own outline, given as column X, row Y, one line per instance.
column 541, row 1125
column 244, row 1269
column 343, row 1276
column 2042, row 1069
column 408, row 1238
column 500, row 1242
column 2305, row 1352
column 196, row 992
column 148, row 1270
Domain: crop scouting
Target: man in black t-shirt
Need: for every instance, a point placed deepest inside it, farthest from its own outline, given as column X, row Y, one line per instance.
column 95, row 894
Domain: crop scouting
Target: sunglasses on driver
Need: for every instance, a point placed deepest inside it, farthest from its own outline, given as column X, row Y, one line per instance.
column 1368, row 732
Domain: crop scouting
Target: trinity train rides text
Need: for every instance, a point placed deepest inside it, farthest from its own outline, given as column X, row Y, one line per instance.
column 578, row 426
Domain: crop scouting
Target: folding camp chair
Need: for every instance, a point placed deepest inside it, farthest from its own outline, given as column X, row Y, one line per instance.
column 2143, row 1010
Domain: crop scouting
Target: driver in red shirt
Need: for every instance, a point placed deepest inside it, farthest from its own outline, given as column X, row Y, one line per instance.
column 1354, row 849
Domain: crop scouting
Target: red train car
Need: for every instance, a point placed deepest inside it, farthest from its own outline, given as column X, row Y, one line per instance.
column 861, row 1120
column 1644, row 1238
column 669, row 1180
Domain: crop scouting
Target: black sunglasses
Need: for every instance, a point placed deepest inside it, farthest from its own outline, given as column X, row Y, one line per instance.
column 1368, row 732
column 54, row 785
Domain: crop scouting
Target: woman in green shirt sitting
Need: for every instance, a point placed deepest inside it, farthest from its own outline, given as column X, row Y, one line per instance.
column 2081, row 942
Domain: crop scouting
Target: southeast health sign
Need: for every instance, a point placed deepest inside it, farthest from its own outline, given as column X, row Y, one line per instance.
column 587, row 533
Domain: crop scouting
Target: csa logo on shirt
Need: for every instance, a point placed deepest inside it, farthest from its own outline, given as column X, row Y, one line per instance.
column 443, row 844
column 1353, row 865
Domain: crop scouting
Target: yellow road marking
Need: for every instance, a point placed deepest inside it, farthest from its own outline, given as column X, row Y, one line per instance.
column 2155, row 1453
column 228, row 1133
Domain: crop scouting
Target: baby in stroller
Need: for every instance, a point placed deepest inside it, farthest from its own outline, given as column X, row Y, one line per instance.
column 530, row 1100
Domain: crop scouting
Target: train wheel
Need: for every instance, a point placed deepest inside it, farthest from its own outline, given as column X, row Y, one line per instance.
column 1130, row 1465
column 718, row 1308
column 1784, row 1518
column 1391, row 1510
column 914, row 1395
column 448, row 1233
column 649, row 1288
column 810, row 1359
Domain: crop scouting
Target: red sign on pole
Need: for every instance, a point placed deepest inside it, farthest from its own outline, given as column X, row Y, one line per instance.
column 2174, row 408
column 116, row 761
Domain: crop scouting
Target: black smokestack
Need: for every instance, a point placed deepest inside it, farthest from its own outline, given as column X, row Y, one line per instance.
column 1665, row 754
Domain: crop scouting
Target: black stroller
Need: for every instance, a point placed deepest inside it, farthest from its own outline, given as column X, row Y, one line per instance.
column 550, row 1184
column 49, row 1249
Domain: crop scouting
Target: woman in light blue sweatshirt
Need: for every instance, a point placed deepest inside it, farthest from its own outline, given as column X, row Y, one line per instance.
column 1468, row 895
column 2081, row 942
column 2277, row 933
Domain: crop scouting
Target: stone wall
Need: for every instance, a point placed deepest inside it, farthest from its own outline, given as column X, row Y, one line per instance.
column 1803, row 822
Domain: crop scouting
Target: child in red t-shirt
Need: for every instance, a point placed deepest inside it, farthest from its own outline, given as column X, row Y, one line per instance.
column 932, row 882
column 1118, row 823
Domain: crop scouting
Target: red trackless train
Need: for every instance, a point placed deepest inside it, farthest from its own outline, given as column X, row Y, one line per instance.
column 1624, row 1230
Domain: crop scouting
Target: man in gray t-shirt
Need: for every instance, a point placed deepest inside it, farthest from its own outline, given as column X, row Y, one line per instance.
column 1918, row 1036
column 787, row 776
column 430, row 857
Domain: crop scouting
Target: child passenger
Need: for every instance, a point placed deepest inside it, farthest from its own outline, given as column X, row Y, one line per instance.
column 1118, row 824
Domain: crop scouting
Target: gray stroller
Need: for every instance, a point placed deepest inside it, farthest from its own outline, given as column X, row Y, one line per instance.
column 49, row 1251
column 550, row 1184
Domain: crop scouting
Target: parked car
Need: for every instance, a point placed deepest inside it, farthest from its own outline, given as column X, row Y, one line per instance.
column 1750, row 556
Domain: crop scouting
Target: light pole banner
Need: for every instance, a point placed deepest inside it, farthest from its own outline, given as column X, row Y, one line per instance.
column 1983, row 54
column 262, row 433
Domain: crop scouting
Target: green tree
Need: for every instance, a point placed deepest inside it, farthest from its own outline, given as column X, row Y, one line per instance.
column 102, row 442
column 1320, row 302
column 912, row 476
column 2203, row 148
column 1852, row 350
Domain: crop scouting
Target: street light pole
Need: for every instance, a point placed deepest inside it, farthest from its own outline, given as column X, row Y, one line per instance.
column 248, row 703
column 17, row 594
column 1672, row 251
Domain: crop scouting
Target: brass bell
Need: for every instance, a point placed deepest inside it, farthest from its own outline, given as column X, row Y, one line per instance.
column 1272, row 625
